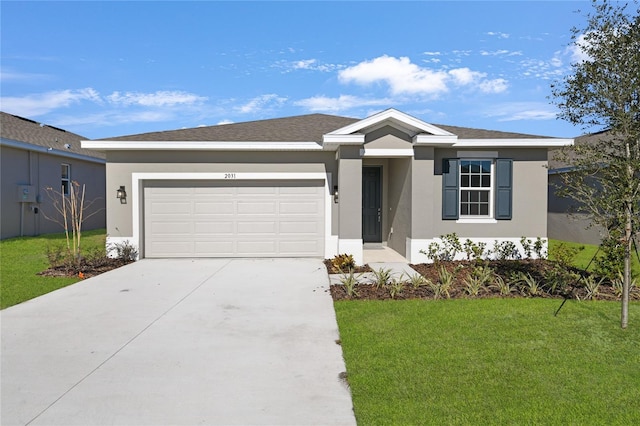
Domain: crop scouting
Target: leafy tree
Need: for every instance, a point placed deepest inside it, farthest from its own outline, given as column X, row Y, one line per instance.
column 603, row 93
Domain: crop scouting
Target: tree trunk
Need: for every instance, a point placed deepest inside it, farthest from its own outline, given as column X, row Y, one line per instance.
column 624, row 317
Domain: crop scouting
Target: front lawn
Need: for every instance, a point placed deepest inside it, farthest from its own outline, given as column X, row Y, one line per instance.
column 491, row 361
column 21, row 259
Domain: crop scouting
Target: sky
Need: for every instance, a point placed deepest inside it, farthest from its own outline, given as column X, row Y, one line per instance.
column 106, row 69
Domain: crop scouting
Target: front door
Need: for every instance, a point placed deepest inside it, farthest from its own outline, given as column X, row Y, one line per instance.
column 371, row 205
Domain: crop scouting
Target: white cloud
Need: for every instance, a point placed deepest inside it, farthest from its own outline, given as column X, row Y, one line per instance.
column 225, row 121
column 402, row 76
column 501, row 52
column 498, row 34
column 261, row 102
column 341, row 103
column 432, row 53
column 156, row 99
column 516, row 111
column 306, row 64
column 576, row 50
column 463, row 76
column 406, row 78
column 497, row 85
column 113, row 117
column 43, row 103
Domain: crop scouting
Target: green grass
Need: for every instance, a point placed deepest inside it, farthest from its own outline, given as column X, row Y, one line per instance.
column 22, row 258
column 586, row 253
column 491, row 361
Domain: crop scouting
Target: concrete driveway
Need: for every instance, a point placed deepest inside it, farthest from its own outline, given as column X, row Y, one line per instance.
column 178, row 342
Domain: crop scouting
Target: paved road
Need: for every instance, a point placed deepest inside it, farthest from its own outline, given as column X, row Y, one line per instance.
column 182, row 342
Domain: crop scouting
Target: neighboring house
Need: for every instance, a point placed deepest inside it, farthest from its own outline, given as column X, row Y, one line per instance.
column 36, row 156
column 563, row 223
column 318, row 185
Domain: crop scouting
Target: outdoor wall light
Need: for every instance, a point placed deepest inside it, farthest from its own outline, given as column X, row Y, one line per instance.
column 335, row 194
column 121, row 194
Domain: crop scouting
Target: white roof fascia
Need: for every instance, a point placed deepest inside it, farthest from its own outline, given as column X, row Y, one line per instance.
column 51, row 151
column 393, row 115
column 357, row 139
column 201, row 146
column 386, row 153
column 435, row 139
column 513, row 143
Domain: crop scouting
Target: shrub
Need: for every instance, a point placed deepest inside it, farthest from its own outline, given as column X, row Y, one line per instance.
column 350, row 281
column 124, row 251
column 343, row 262
column 395, row 288
column 382, row 277
column 505, row 250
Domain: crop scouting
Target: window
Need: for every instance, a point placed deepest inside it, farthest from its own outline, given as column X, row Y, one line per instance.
column 476, row 188
column 66, row 178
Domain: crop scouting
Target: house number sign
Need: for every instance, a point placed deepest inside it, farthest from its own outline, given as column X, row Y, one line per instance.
column 229, row 175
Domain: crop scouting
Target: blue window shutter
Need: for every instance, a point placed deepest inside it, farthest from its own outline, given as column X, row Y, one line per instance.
column 450, row 168
column 504, row 190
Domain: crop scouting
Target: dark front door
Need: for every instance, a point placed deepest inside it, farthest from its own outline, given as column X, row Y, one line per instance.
column 371, row 205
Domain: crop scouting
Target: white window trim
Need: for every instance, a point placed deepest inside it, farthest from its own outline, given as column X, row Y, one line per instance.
column 67, row 179
column 477, row 218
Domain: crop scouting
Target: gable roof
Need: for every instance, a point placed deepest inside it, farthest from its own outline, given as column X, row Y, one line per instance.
column 23, row 133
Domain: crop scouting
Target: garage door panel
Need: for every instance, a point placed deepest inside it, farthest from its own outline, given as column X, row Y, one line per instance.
column 299, row 228
column 303, row 207
column 171, row 228
column 234, row 219
column 213, row 248
column 251, row 228
column 215, row 228
column 256, row 208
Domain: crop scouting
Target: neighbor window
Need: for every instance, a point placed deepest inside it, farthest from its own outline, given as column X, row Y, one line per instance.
column 475, row 187
column 66, row 178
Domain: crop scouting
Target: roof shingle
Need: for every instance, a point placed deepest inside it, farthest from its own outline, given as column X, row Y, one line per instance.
column 28, row 131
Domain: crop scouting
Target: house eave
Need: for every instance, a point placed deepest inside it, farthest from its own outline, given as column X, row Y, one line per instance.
column 512, row 143
column 201, row 146
column 51, row 151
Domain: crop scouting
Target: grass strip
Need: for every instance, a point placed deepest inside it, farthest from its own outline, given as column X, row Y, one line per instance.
column 491, row 361
column 21, row 259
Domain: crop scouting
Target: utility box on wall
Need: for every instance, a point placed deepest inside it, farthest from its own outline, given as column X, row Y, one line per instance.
column 26, row 194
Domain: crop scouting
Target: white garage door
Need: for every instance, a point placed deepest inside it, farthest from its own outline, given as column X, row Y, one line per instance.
column 234, row 219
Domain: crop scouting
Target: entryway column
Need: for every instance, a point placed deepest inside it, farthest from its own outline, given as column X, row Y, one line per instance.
column 422, row 202
column 350, row 202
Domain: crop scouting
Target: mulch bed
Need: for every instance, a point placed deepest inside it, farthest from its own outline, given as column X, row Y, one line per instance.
column 507, row 269
column 86, row 268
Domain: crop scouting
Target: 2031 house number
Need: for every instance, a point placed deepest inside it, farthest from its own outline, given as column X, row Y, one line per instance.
column 229, row 175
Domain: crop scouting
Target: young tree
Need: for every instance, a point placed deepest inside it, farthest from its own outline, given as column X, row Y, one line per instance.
column 71, row 211
column 603, row 92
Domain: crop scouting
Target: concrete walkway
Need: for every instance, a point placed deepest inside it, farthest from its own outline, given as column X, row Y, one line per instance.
column 178, row 342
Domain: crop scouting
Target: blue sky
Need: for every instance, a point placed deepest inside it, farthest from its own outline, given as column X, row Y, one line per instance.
column 105, row 69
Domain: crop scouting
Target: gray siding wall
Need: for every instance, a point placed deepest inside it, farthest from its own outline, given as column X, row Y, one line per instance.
column 121, row 165
column 529, row 198
column 399, row 203
column 350, row 184
column 22, row 167
column 565, row 227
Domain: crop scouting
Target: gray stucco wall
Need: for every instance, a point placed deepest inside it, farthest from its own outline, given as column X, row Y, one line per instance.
column 350, row 184
column 23, row 167
column 399, row 203
column 121, row 165
column 565, row 227
column 529, row 198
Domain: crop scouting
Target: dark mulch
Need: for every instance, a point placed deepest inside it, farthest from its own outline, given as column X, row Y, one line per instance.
column 507, row 269
column 333, row 270
column 86, row 269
